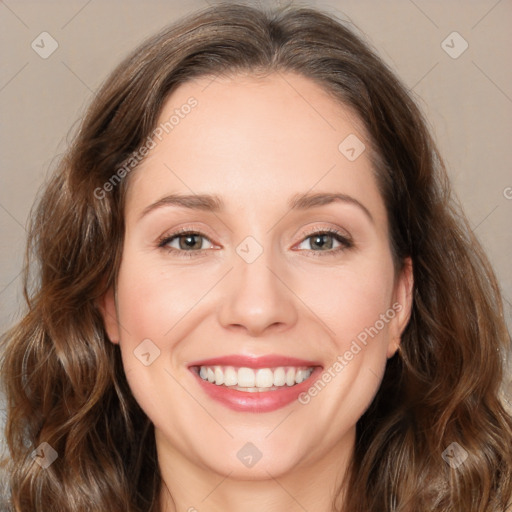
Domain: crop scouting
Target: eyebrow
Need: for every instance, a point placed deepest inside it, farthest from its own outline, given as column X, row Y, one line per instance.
column 307, row 200
column 213, row 203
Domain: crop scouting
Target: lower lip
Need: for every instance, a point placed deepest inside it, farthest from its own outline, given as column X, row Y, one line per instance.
column 259, row 401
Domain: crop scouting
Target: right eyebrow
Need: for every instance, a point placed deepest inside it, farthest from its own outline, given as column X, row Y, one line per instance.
column 205, row 202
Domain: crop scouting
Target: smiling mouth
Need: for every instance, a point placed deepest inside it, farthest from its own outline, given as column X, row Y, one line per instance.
column 254, row 380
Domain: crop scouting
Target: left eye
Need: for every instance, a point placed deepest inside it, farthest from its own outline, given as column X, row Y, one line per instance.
column 323, row 241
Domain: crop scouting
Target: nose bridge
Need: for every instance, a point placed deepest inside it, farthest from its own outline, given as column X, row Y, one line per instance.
column 256, row 297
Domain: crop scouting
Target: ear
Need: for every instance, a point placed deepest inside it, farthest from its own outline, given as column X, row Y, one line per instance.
column 402, row 305
column 107, row 306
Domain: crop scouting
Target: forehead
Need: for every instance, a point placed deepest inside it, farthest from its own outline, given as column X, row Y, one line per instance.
column 256, row 139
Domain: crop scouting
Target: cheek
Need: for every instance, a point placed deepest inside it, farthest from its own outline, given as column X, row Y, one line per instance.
column 358, row 315
column 151, row 304
column 350, row 300
column 154, row 298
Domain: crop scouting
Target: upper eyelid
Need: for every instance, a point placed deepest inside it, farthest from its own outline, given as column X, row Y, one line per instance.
column 331, row 230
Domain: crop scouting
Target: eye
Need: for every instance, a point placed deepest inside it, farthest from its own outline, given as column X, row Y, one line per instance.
column 185, row 241
column 325, row 241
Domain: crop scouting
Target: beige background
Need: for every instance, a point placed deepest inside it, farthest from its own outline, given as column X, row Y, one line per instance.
column 468, row 100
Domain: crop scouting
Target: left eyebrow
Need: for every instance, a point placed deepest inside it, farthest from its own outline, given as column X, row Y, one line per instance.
column 305, row 201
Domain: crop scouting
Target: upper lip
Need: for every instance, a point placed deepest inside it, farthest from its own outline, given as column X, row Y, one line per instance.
column 247, row 361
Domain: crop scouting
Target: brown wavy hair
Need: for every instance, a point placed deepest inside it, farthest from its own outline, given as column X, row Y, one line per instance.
column 64, row 380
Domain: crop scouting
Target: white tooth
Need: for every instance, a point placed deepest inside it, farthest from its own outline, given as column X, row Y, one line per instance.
column 290, row 377
column 230, row 376
column 211, row 375
column 300, row 376
column 264, row 378
column 246, row 377
column 203, row 373
column 219, row 375
column 279, row 377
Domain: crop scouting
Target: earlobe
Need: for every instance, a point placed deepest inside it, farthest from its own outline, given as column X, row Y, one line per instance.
column 107, row 306
column 393, row 347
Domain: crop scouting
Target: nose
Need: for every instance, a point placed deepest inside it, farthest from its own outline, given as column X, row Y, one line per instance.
column 258, row 298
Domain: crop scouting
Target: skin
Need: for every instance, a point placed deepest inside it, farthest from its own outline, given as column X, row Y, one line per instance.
column 255, row 142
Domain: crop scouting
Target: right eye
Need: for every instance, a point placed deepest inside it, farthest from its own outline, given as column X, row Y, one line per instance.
column 184, row 241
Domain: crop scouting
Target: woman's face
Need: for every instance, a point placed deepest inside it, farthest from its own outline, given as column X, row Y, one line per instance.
column 278, row 282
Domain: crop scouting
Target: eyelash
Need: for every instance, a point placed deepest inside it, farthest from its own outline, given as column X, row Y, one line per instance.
column 346, row 243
